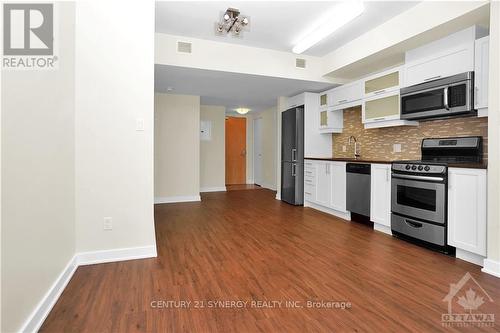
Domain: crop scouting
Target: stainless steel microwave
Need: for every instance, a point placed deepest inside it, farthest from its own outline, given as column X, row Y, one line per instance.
column 443, row 97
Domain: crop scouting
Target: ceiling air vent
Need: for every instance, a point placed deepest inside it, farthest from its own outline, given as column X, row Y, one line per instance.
column 300, row 63
column 184, row 47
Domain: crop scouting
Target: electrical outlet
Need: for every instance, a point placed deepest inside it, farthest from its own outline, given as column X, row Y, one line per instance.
column 344, row 149
column 396, row 148
column 107, row 224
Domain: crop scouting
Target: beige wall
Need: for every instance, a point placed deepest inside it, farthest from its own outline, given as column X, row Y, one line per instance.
column 38, row 203
column 177, row 146
column 212, row 152
column 269, row 154
column 494, row 139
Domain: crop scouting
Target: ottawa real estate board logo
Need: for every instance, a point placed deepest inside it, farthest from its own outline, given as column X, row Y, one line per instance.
column 467, row 305
column 28, row 36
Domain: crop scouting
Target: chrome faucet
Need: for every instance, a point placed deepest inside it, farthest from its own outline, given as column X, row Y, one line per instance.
column 356, row 154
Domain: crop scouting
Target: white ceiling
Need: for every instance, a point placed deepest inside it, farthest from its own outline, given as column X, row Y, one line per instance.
column 231, row 90
column 274, row 25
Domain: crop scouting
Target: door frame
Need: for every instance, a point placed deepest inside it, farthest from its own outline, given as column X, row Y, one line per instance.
column 254, row 150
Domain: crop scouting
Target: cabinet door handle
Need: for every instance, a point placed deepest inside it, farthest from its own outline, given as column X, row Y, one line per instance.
column 433, row 78
column 343, row 101
column 294, row 171
column 294, row 155
column 387, row 178
column 377, row 119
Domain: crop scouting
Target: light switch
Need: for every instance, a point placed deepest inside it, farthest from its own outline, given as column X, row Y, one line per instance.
column 108, row 223
column 139, row 124
column 396, row 148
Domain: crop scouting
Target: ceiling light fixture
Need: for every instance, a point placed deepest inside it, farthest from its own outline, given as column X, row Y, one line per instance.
column 340, row 16
column 232, row 22
column 242, row 110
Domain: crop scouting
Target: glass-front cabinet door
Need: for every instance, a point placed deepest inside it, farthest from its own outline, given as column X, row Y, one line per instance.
column 382, row 83
column 323, row 100
column 381, row 108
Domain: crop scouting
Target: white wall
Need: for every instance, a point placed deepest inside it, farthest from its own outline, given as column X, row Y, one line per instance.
column 213, row 152
column 492, row 264
column 114, row 82
column 177, row 147
column 269, row 153
column 38, row 206
column 206, row 54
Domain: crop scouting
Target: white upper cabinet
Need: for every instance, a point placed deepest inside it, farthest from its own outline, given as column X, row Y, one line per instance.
column 481, row 72
column 467, row 209
column 448, row 56
column 346, row 96
column 380, row 198
column 323, row 101
column 381, row 105
column 331, row 121
column 382, row 83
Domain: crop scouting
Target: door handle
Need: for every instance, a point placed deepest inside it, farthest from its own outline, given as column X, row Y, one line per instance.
column 294, row 154
column 445, row 97
column 413, row 224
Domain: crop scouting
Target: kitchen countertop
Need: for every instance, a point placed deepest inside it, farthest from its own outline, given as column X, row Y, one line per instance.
column 483, row 165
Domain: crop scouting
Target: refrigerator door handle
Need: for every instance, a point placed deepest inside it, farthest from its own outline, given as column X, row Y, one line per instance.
column 294, row 155
column 294, row 170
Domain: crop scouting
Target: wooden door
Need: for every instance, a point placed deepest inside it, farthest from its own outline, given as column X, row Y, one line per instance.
column 236, row 154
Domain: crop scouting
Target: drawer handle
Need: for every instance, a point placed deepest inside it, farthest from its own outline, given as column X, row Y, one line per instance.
column 308, row 181
column 413, row 224
column 377, row 119
column 380, row 92
column 307, row 193
column 343, row 101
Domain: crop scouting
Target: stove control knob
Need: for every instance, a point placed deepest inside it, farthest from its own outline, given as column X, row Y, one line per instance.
column 420, row 168
column 407, row 167
column 414, row 167
column 427, row 168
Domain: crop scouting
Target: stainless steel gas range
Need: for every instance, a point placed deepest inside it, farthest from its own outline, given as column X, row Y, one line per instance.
column 419, row 190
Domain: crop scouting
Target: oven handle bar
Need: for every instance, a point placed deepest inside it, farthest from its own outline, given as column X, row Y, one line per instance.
column 427, row 178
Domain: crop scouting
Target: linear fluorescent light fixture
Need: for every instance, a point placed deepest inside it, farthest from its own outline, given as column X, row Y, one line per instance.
column 342, row 14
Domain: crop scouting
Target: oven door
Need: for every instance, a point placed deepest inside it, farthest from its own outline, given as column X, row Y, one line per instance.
column 419, row 197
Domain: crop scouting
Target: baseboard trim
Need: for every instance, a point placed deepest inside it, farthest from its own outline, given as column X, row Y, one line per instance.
column 42, row 310
column 469, row 257
column 268, row 186
column 186, row 198
column 491, row 267
column 343, row 215
column 382, row 228
column 100, row 257
column 213, row 189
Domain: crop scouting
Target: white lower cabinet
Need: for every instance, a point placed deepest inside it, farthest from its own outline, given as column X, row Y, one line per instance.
column 338, row 186
column 327, row 187
column 380, row 196
column 467, row 193
column 323, row 183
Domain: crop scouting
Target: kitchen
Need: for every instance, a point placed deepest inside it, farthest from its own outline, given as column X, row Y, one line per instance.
column 406, row 148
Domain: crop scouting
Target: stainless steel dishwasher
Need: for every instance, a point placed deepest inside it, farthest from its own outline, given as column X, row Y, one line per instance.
column 358, row 188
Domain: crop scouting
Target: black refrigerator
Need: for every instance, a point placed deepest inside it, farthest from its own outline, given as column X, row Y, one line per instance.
column 292, row 156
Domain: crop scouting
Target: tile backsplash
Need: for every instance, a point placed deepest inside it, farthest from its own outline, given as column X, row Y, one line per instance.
column 378, row 143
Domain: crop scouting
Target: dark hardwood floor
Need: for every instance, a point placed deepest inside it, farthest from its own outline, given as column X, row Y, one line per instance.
column 245, row 245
